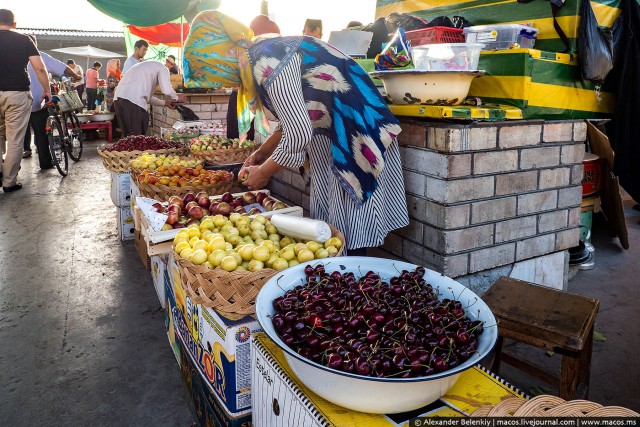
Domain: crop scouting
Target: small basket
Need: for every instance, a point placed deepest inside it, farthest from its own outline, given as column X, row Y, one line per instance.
column 551, row 406
column 233, row 293
column 237, row 155
column 435, row 35
column 163, row 192
column 118, row 161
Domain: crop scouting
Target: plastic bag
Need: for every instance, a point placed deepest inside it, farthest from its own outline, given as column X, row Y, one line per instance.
column 186, row 113
column 595, row 46
column 396, row 54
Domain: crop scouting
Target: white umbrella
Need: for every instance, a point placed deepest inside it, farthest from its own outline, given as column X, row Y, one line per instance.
column 89, row 52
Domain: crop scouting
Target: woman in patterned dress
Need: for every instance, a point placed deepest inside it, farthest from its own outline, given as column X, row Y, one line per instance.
column 328, row 110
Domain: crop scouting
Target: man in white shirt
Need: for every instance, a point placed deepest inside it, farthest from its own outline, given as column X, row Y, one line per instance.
column 139, row 51
column 135, row 92
column 79, row 85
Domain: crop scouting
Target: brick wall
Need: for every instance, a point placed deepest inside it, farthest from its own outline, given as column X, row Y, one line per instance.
column 209, row 108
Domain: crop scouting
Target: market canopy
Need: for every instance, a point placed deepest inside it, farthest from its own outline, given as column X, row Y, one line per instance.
column 88, row 51
column 146, row 13
column 169, row 34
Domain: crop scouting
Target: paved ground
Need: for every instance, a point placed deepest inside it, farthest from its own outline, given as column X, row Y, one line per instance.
column 82, row 336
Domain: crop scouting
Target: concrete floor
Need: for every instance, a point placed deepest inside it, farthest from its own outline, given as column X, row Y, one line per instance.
column 82, row 335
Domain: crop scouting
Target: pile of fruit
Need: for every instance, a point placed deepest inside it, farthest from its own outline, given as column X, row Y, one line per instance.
column 215, row 142
column 227, row 203
column 143, row 143
column 191, row 209
column 151, row 161
column 239, row 243
column 185, row 132
column 396, row 328
column 184, row 176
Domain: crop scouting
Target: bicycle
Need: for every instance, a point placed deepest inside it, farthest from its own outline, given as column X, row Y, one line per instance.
column 63, row 132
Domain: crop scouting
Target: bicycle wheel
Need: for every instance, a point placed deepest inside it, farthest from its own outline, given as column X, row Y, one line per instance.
column 75, row 137
column 57, row 148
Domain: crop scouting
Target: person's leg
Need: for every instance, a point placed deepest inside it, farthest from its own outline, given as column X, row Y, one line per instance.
column 124, row 119
column 39, row 125
column 27, row 143
column 80, row 90
column 15, row 108
column 144, row 120
column 91, row 98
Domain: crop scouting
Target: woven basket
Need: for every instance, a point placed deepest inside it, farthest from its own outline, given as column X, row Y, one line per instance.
column 231, row 293
column 551, row 406
column 223, row 156
column 118, row 161
column 163, row 192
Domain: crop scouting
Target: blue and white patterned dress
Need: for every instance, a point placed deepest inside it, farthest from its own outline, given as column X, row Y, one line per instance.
column 330, row 111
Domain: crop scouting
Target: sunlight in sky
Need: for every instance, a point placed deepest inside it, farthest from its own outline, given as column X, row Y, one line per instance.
column 288, row 14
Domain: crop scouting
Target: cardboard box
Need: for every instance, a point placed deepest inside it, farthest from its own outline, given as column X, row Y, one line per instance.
column 201, row 398
column 170, row 304
column 158, row 273
column 220, row 346
column 124, row 223
column 281, row 400
column 141, row 248
column 134, row 192
column 121, row 189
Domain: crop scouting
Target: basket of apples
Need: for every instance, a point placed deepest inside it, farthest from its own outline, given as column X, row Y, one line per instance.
column 117, row 157
column 178, row 180
column 224, row 261
column 215, row 149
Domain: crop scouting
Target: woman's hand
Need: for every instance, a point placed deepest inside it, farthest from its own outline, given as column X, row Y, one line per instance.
column 253, row 177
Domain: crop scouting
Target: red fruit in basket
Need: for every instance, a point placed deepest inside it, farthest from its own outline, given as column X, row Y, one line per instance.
column 266, row 200
column 158, row 207
column 176, row 200
column 191, row 205
column 234, row 204
column 196, row 212
column 200, row 195
column 174, row 208
column 213, row 208
column 172, row 218
column 178, row 225
column 226, row 198
column 268, row 205
column 254, row 211
column 260, row 196
column 190, row 197
column 278, row 205
column 249, row 198
column 204, row 202
column 193, row 221
column 183, row 220
column 240, row 210
column 224, row 209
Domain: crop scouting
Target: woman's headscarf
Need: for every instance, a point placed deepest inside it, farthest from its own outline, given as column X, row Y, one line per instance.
column 113, row 68
column 215, row 55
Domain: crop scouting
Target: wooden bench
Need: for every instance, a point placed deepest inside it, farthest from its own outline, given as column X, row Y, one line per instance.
column 548, row 319
column 99, row 125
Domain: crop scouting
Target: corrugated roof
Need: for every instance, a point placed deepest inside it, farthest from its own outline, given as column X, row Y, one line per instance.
column 69, row 33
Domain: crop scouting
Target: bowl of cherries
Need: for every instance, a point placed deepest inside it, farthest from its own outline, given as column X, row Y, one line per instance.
column 375, row 335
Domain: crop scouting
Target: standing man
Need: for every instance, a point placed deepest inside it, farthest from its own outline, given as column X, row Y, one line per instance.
column 171, row 64
column 139, row 51
column 313, row 28
column 16, row 51
column 92, row 85
column 135, row 92
column 79, row 85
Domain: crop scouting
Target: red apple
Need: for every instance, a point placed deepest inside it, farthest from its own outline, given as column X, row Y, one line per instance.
column 158, row 207
column 240, row 209
column 268, row 205
column 196, row 212
column 235, row 204
column 200, row 195
column 267, row 199
column 255, row 211
column 226, row 198
column 224, row 209
column 191, row 205
column 260, row 196
column 190, row 197
column 178, row 225
column 249, row 198
column 193, row 221
column 204, row 202
column 213, row 208
column 174, row 208
column 172, row 218
column 176, row 200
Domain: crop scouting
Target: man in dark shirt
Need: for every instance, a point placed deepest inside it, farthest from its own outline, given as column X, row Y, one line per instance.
column 16, row 50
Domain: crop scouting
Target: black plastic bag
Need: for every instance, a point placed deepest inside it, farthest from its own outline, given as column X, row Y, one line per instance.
column 186, row 113
column 595, row 46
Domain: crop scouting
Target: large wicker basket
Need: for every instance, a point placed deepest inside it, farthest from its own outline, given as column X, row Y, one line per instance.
column 551, row 406
column 224, row 157
column 118, row 161
column 231, row 293
column 163, row 192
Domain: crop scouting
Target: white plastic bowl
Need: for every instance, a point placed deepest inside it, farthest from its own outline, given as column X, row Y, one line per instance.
column 367, row 394
column 446, row 56
column 427, row 87
column 102, row 117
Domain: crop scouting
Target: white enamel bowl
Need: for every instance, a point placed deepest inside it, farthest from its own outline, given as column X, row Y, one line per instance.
column 366, row 394
column 406, row 87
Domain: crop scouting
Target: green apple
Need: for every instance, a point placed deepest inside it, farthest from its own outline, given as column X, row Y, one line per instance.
column 255, row 265
column 229, row 263
column 215, row 257
column 305, row 255
column 280, row 264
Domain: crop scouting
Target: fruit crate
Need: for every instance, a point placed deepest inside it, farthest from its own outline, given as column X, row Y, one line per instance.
column 434, row 35
column 161, row 242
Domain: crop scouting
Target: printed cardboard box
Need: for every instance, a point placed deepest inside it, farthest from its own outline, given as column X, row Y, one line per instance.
column 121, row 189
column 158, row 269
column 124, row 224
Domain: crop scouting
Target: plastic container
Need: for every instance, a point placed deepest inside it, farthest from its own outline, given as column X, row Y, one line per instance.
column 446, row 56
column 434, row 35
column 502, row 37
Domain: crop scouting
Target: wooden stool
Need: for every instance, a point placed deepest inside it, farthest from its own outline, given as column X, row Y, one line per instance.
column 549, row 319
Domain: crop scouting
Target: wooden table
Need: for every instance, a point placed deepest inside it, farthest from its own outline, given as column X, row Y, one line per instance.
column 98, row 125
